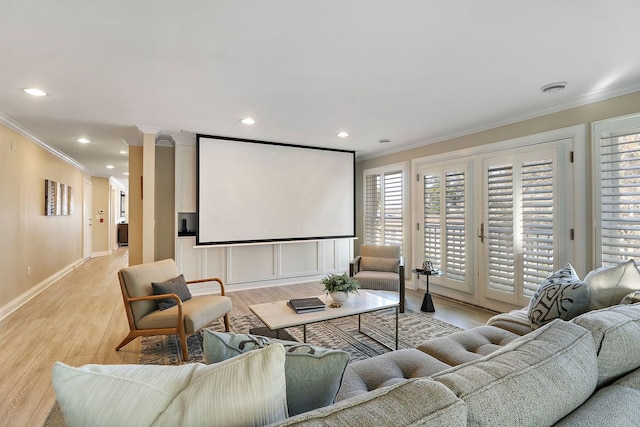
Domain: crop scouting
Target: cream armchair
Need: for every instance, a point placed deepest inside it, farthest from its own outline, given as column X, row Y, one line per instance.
column 381, row 268
column 183, row 319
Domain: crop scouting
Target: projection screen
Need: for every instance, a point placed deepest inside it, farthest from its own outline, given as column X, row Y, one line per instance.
column 255, row 191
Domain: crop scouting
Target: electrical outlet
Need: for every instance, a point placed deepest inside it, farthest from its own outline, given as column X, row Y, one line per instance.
column 28, row 271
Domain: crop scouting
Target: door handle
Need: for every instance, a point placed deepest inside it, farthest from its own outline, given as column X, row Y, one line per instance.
column 482, row 236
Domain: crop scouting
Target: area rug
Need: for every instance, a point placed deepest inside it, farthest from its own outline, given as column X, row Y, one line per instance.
column 413, row 329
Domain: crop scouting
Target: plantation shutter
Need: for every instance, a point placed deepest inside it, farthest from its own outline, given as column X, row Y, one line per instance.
column 393, row 217
column 445, row 221
column 455, row 264
column 537, row 224
column 521, row 225
column 500, row 226
column 372, row 210
column 620, row 197
column 383, row 208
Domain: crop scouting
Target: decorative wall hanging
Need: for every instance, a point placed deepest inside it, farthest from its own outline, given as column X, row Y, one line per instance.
column 58, row 198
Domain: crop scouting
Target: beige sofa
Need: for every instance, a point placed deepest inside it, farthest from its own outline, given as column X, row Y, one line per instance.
column 583, row 372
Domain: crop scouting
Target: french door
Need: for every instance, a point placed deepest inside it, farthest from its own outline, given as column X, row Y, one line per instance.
column 498, row 224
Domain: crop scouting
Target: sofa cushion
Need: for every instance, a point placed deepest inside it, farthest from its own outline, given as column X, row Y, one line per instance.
column 247, row 390
column 609, row 285
column 313, row 374
column 535, row 380
column 612, row 406
column 414, row 402
column 562, row 295
column 387, row 369
column 368, row 263
column 616, row 333
column 464, row 346
column 516, row 321
column 177, row 286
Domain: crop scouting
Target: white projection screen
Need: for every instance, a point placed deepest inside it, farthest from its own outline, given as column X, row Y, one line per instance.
column 256, row 191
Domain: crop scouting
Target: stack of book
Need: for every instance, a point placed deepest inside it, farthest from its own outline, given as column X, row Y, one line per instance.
column 306, row 305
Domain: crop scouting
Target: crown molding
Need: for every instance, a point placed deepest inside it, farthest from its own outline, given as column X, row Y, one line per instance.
column 580, row 101
column 147, row 130
column 164, row 143
column 184, row 138
column 16, row 127
column 134, row 142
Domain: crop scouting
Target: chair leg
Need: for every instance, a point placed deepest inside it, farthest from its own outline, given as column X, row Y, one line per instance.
column 183, row 346
column 226, row 323
column 126, row 341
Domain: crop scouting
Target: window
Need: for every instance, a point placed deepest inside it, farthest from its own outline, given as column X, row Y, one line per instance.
column 384, row 207
column 617, row 185
column 445, row 225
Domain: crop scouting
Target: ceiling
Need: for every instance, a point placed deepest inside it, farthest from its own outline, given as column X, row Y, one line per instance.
column 414, row 72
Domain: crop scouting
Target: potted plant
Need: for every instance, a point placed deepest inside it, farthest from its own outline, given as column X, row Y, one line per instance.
column 339, row 286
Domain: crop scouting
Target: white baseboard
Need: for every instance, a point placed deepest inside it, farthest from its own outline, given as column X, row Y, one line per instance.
column 31, row 293
column 98, row 254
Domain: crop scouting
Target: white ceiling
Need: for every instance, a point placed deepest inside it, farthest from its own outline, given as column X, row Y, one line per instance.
column 414, row 72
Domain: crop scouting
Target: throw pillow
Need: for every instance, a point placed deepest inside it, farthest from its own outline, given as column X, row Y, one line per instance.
column 246, row 390
column 369, row 263
column 608, row 285
column 631, row 298
column 561, row 296
column 176, row 286
column 313, row 374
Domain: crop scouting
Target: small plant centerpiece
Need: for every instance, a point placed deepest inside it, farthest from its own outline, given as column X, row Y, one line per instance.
column 339, row 286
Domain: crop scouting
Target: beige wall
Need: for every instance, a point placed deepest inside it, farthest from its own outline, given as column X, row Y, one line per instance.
column 165, row 238
column 614, row 107
column 45, row 244
column 135, row 205
column 100, row 228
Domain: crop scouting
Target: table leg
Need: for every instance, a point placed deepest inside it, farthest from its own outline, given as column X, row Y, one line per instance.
column 397, row 309
column 427, row 302
column 304, row 333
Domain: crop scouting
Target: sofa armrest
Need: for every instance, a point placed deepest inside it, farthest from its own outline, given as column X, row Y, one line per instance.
column 354, row 266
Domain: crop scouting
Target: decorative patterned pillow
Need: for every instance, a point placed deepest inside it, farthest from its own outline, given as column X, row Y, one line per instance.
column 608, row 285
column 176, row 286
column 247, row 390
column 370, row 263
column 313, row 374
column 561, row 296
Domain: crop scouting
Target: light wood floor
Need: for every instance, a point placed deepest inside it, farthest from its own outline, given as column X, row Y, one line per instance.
column 80, row 319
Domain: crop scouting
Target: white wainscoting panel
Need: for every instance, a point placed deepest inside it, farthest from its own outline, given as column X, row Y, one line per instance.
column 300, row 259
column 251, row 263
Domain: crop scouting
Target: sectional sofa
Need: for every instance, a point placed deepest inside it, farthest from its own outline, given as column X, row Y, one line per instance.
column 521, row 369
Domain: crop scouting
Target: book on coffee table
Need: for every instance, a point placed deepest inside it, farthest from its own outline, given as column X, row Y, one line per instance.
column 306, row 305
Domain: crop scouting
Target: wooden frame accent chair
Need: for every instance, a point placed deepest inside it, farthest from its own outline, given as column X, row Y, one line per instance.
column 183, row 319
column 380, row 268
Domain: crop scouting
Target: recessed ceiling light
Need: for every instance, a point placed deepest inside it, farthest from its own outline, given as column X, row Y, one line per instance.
column 123, row 152
column 110, row 166
column 35, row 91
column 247, row 121
column 126, row 173
column 553, row 87
column 343, row 134
column 84, row 140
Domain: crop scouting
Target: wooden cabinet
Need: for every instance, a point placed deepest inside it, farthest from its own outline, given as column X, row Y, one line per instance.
column 123, row 234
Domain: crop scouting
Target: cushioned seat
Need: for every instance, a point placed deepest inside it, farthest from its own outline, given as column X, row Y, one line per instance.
column 158, row 302
column 380, row 268
column 465, row 346
column 387, row 369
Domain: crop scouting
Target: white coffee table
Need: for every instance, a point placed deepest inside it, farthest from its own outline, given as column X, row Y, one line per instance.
column 278, row 315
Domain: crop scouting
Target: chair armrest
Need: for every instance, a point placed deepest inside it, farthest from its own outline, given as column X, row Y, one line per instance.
column 354, row 266
column 212, row 279
column 161, row 296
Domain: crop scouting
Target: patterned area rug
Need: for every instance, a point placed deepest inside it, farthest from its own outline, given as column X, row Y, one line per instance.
column 413, row 329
